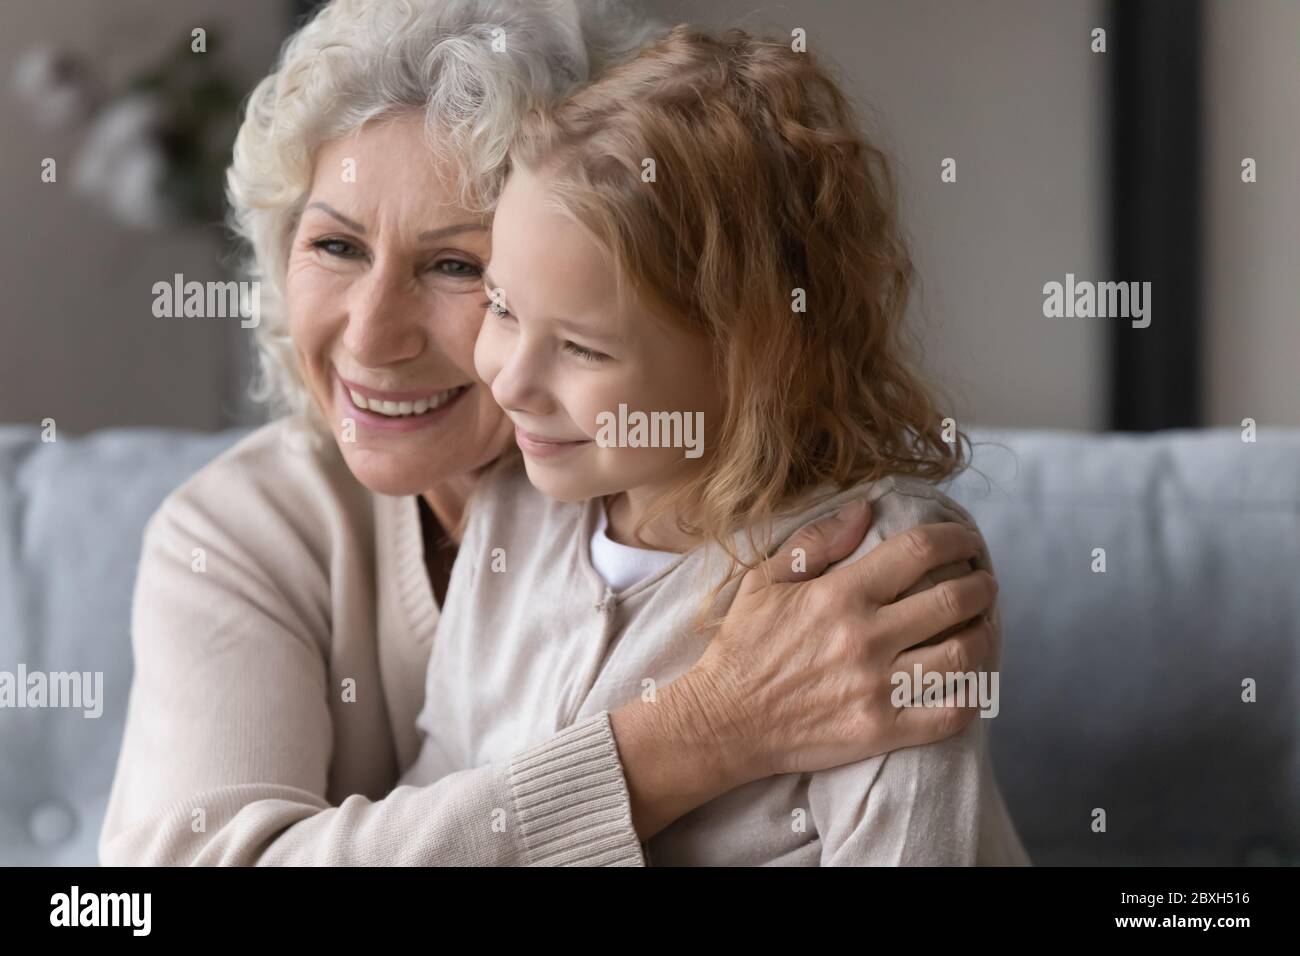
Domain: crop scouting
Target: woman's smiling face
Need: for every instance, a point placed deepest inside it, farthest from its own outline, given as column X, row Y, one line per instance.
column 384, row 296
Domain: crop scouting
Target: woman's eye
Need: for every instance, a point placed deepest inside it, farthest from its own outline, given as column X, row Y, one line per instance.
column 456, row 269
column 586, row 354
column 340, row 248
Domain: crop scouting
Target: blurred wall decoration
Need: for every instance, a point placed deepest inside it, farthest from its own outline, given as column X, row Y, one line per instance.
column 155, row 151
column 137, row 125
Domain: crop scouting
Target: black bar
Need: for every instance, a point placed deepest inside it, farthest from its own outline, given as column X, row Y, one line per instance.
column 1156, row 220
column 958, row 906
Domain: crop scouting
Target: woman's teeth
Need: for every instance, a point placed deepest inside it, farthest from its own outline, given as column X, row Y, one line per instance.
column 401, row 409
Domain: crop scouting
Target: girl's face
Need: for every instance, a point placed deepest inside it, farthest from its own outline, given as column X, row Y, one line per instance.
column 561, row 356
column 384, row 294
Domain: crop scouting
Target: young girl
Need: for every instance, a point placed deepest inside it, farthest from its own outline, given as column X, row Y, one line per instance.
column 696, row 292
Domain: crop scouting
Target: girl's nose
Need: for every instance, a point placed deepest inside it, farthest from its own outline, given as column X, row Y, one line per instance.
column 519, row 386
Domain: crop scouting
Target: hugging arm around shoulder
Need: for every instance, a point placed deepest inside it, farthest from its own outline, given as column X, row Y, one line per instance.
column 240, row 747
column 919, row 806
column 932, row 805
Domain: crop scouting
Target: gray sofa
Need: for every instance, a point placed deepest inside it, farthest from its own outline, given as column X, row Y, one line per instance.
column 1120, row 690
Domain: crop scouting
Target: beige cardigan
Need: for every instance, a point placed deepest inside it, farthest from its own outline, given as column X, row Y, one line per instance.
column 281, row 626
column 532, row 639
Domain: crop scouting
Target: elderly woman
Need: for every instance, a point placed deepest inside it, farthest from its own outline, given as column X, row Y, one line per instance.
column 288, row 593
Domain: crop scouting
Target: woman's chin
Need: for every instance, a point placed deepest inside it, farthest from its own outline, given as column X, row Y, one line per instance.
column 389, row 472
column 401, row 470
column 407, row 461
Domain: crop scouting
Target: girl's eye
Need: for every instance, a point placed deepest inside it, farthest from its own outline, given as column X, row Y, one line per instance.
column 585, row 354
column 339, row 248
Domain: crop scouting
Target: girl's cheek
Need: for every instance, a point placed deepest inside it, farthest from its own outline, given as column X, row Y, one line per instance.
column 596, row 404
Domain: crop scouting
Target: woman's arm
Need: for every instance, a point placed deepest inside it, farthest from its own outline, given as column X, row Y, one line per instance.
column 562, row 802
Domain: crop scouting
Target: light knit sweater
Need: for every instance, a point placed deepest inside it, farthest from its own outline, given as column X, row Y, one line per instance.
column 281, row 627
column 532, row 639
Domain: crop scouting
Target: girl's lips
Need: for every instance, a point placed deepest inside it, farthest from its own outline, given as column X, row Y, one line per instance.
column 377, row 422
column 537, row 446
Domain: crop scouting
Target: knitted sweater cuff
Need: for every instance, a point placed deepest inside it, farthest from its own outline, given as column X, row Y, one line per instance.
column 571, row 799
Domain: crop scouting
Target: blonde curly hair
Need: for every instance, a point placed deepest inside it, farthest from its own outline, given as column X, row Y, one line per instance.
column 763, row 186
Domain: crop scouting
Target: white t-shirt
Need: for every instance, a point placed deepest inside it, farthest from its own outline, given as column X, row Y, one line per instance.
column 622, row 565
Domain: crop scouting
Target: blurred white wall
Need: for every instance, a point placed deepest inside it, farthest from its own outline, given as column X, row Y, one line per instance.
column 1011, row 90
column 1253, row 230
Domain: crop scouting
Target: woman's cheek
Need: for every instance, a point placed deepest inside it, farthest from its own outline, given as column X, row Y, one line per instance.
column 308, row 291
column 313, row 330
column 487, row 352
column 462, row 317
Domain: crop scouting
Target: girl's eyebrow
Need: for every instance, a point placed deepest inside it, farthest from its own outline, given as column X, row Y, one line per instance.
column 587, row 330
column 568, row 324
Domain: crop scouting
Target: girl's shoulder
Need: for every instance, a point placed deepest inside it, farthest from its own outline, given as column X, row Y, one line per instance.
column 898, row 502
column 902, row 502
column 905, row 501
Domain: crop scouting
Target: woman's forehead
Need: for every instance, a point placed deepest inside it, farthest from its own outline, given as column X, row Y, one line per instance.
column 388, row 160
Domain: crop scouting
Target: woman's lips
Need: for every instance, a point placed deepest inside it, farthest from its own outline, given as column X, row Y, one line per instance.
column 539, row 446
column 377, row 394
column 387, row 423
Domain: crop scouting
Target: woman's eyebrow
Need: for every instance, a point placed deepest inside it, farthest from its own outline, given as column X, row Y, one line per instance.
column 424, row 236
column 452, row 230
column 330, row 210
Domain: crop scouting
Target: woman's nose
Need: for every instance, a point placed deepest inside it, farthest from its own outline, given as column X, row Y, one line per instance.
column 386, row 317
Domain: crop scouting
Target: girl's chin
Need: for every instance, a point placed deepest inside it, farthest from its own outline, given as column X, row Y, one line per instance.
column 554, row 484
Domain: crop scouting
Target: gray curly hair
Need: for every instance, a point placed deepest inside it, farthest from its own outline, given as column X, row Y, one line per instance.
column 473, row 67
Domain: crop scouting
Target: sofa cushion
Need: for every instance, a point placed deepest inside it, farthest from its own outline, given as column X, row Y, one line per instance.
column 1123, row 690
column 72, row 513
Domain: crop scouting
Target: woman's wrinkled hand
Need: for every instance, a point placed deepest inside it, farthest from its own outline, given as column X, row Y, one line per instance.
column 799, row 675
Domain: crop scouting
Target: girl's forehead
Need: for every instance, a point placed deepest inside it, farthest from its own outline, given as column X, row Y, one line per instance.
column 547, row 256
